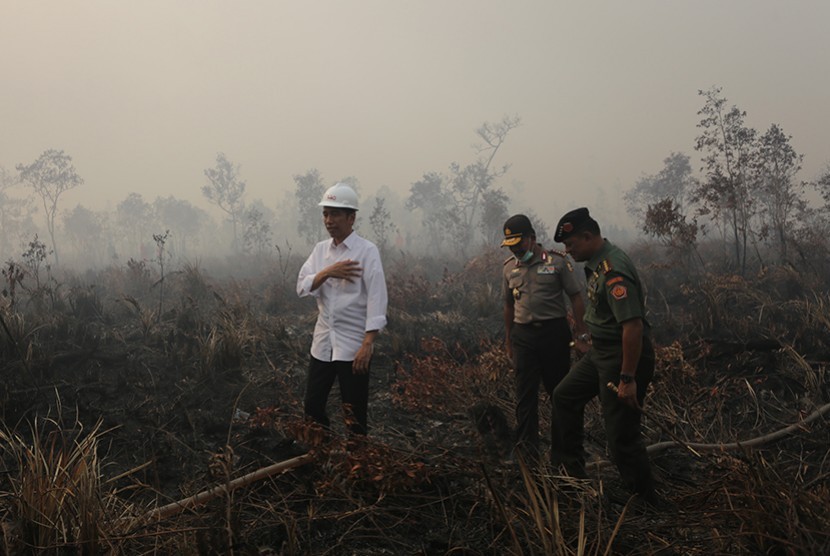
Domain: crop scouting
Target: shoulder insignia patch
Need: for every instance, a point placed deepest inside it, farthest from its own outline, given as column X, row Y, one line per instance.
column 606, row 266
column 619, row 292
column 564, row 256
column 614, row 280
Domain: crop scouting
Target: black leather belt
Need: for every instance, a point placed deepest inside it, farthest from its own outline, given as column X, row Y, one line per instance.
column 538, row 323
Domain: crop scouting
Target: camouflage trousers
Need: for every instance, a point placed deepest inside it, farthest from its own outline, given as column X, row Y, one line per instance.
column 589, row 378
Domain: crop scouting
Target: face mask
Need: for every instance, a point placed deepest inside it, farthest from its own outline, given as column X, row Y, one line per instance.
column 526, row 257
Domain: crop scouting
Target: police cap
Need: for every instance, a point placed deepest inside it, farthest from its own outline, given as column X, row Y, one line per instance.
column 515, row 228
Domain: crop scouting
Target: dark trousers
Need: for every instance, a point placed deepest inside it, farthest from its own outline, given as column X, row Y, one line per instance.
column 541, row 353
column 589, row 378
column 354, row 393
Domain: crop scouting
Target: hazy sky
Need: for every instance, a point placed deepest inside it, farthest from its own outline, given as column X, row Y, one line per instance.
column 143, row 94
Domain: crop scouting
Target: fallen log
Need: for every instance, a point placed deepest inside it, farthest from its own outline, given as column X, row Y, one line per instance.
column 206, row 495
column 728, row 446
column 749, row 443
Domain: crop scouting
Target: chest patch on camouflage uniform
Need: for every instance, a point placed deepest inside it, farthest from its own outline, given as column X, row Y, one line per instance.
column 593, row 286
column 546, row 269
column 615, row 280
column 619, row 292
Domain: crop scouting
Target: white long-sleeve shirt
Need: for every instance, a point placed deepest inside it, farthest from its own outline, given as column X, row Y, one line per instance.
column 346, row 310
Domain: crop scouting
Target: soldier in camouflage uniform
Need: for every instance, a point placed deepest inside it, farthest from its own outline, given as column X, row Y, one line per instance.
column 538, row 337
column 621, row 353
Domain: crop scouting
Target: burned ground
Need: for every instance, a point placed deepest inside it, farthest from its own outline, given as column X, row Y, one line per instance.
column 144, row 397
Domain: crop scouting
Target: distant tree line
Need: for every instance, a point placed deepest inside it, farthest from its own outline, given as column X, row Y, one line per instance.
column 745, row 197
column 461, row 207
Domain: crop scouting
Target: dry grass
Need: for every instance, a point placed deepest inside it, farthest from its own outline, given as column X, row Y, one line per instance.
column 57, row 494
column 226, row 343
column 425, row 482
column 16, row 336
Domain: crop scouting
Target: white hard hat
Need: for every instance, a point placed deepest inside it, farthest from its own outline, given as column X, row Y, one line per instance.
column 339, row 195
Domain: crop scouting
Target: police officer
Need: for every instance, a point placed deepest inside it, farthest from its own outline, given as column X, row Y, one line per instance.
column 621, row 353
column 538, row 337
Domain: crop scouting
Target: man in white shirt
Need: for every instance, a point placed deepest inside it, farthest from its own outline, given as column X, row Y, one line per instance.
column 345, row 275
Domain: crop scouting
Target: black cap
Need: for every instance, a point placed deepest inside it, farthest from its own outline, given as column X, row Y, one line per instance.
column 516, row 227
column 574, row 221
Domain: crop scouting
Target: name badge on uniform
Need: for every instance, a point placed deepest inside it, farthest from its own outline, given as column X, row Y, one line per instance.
column 546, row 269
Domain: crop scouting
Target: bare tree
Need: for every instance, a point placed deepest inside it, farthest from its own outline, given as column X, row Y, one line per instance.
column 472, row 183
column 85, row 229
column 226, row 189
column 455, row 202
column 257, row 235
column 728, row 193
column 494, row 213
column 15, row 213
column 781, row 196
column 665, row 221
column 134, row 219
column 674, row 182
column 50, row 176
column 382, row 225
column 430, row 196
column 309, row 190
column 183, row 219
column 822, row 185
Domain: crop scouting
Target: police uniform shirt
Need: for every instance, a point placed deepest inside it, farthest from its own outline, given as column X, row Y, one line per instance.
column 535, row 288
column 615, row 293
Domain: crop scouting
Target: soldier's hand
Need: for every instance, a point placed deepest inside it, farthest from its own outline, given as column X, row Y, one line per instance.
column 581, row 346
column 627, row 393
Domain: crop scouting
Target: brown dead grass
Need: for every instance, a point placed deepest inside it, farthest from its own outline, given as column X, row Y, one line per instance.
column 212, row 390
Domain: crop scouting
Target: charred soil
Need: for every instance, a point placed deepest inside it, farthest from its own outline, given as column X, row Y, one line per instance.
column 145, row 400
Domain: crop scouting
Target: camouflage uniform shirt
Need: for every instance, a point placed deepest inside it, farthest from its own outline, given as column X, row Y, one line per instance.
column 615, row 293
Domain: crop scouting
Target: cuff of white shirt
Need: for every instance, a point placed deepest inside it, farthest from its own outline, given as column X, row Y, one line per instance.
column 375, row 323
column 305, row 287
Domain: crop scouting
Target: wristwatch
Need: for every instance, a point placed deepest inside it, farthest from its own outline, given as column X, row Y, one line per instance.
column 626, row 379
